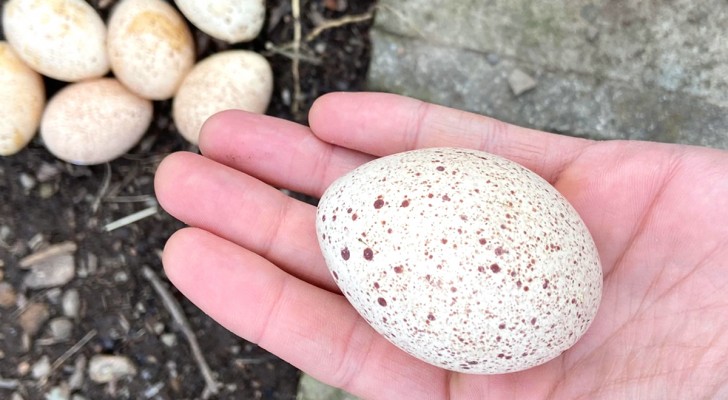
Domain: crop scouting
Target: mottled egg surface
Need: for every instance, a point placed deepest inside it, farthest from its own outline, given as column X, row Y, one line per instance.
column 463, row 259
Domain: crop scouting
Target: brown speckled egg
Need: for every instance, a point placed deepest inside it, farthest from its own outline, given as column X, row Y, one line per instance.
column 463, row 259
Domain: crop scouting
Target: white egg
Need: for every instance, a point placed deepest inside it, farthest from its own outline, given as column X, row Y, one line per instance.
column 150, row 47
column 230, row 20
column 236, row 79
column 463, row 259
column 22, row 97
column 94, row 121
column 62, row 39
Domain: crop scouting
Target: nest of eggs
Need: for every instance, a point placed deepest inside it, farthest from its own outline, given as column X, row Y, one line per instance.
column 114, row 66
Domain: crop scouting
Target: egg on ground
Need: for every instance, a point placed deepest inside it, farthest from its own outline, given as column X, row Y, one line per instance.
column 234, row 79
column 463, row 259
column 95, row 121
column 230, row 20
column 22, row 97
column 61, row 39
column 150, row 47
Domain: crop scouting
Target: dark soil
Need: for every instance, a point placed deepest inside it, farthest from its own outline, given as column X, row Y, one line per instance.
column 44, row 201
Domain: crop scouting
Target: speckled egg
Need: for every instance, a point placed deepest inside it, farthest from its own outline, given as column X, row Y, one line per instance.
column 22, row 98
column 465, row 260
column 61, row 39
column 150, row 47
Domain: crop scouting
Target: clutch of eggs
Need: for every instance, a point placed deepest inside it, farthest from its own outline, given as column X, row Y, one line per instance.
column 150, row 50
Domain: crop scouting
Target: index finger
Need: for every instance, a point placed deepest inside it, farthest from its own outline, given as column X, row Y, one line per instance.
column 381, row 124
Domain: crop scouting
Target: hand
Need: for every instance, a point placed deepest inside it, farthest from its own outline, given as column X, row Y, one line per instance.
column 658, row 214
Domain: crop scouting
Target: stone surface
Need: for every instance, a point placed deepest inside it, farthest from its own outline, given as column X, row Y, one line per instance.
column 606, row 70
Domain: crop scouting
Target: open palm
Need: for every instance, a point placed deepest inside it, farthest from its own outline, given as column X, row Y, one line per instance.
column 658, row 214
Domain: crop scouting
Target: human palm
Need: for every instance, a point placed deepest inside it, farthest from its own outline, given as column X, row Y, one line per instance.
column 658, row 214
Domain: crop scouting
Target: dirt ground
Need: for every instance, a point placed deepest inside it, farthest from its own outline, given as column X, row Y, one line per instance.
column 45, row 202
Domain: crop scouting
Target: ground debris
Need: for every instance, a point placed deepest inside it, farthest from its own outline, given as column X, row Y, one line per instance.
column 108, row 368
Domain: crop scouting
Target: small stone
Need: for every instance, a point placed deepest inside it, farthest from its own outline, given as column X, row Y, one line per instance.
column 521, row 82
column 108, row 368
column 121, row 277
column 53, row 295
column 62, row 392
column 4, row 232
column 33, row 318
column 158, row 328
column 61, row 328
column 51, row 272
column 46, row 172
column 169, row 339
column 23, row 368
column 16, row 396
column 27, row 181
column 46, row 190
column 75, row 381
column 41, row 369
column 37, row 241
column 8, row 296
column 71, row 303
column 492, row 58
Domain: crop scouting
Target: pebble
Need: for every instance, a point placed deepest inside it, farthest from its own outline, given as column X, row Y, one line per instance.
column 41, row 368
column 169, row 339
column 8, row 296
column 27, row 181
column 492, row 58
column 33, row 318
column 75, row 381
column 4, row 232
column 71, row 303
column 520, row 82
column 61, row 328
column 108, row 368
column 46, row 172
column 51, row 272
column 62, row 392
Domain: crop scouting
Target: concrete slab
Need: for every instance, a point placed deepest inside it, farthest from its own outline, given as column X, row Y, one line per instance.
column 603, row 69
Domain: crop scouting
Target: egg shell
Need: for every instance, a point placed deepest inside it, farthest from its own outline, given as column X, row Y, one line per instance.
column 230, row 20
column 463, row 259
column 150, row 47
column 62, row 39
column 22, row 97
column 236, row 79
column 94, row 121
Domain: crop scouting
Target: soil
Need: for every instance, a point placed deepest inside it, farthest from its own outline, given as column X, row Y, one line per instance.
column 44, row 201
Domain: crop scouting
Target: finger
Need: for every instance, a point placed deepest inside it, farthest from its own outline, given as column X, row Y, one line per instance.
column 313, row 329
column 244, row 210
column 281, row 153
column 381, row 124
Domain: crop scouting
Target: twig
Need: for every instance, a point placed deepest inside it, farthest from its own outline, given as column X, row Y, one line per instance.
column 69, row 353
column 285, row 51
column 142, row 198
column 335, row 23
column 102, row 189
column 178, row 316
column 52, row 251
column 131, row 218
column 296, row 60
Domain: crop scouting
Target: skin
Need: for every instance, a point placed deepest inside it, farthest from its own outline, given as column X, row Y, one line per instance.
column 658, row 214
